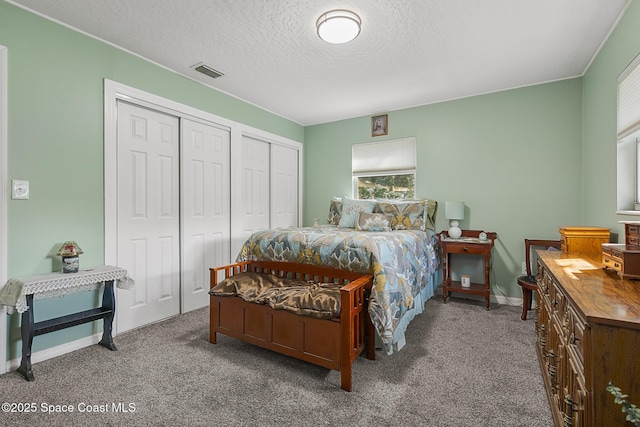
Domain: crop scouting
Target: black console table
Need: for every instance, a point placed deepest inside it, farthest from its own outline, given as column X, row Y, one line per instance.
column 19, row 294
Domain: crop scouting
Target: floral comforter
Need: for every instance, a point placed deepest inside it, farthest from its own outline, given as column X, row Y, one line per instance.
column 402, row 263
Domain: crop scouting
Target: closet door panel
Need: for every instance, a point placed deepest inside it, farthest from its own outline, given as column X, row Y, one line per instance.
column 147, row 215
column 206, row 211
column 284, row 186
column 250, row 204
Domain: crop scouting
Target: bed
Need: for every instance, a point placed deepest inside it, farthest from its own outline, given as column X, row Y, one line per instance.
column 393, row 241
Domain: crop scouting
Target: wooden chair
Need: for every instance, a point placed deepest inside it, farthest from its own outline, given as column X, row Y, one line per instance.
column 528, row 282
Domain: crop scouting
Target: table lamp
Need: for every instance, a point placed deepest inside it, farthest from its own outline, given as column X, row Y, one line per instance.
column 454, row 211
column 70, row 251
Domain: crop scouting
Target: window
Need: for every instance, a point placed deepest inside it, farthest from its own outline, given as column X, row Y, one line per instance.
column 384, row 170
column 628, row 152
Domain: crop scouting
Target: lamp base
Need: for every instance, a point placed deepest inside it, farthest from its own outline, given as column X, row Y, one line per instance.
column 70, row 264
column 454, row 231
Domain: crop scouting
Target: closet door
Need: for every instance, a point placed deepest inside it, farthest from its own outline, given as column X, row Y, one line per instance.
column 251, row 192
column 148, row 224
column 205, row 207
column 284, row 186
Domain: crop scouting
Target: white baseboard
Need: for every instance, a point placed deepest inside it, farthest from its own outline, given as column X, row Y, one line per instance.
column 56, row 351
column 498, row 299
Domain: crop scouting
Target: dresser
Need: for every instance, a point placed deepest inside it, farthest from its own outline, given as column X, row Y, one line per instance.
column 587, row 334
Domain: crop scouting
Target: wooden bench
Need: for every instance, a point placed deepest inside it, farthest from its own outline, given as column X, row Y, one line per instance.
column 332, row 344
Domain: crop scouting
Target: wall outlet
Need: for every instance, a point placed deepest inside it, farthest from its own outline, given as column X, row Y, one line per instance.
column 524, row 267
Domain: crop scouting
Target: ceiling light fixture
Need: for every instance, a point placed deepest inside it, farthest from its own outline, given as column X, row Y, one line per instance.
column 338, row 26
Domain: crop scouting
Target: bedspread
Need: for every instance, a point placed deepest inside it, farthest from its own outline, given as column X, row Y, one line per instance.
column 402, row 263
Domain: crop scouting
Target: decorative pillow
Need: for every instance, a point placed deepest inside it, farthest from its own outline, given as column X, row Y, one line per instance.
column 431, row 210
column 407, row 215
column 351, row 210
column 335, row 211
column 374, row 222
column 318, row 300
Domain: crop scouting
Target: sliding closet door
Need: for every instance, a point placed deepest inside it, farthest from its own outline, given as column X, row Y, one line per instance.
column 206, row 211
column 148, row 215
column 284, row 186
column 251, row 196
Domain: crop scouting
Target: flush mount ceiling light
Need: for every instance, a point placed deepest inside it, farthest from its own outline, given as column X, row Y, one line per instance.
column 338, row 26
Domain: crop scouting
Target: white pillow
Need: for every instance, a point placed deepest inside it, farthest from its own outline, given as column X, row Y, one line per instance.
column 351, row 210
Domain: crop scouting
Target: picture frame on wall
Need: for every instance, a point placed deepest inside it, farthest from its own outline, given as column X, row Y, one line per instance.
column 379, row 125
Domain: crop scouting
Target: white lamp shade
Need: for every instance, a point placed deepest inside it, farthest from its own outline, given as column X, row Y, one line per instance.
column 454, row 210
column 338, row 26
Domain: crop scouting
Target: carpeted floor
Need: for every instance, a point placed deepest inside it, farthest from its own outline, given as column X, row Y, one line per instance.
column 462, row 366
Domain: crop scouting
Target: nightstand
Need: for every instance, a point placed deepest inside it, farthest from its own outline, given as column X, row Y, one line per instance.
column 468, row 244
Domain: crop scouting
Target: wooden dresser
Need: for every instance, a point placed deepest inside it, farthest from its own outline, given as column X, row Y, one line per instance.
column 588, row 333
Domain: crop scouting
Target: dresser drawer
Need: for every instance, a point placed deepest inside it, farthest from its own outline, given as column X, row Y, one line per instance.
column 576, row 335
column 611, row 261
column 624, row 259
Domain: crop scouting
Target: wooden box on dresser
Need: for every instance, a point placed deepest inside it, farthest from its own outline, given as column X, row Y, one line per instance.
column 588, row 333
column 583, row 239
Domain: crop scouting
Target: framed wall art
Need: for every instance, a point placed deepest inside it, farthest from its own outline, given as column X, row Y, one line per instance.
column 379, row 125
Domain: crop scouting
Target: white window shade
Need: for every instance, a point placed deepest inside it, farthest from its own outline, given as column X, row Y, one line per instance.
column 398, row 155
column 629, row 99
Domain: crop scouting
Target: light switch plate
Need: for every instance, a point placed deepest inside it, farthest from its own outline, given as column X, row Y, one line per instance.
column 19, row 189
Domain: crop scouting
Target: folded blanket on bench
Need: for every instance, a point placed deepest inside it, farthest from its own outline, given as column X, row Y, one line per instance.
column 318, row 300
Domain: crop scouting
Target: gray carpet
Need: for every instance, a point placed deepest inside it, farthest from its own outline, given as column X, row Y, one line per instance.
column 462, row 366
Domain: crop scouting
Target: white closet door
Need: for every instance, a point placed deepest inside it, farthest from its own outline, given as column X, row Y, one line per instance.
column 251, row 205
column 206, row 212
column 148, row 215
column 284, row 186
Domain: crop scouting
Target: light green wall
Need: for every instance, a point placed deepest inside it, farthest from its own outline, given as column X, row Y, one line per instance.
column 513, row 157
column 524, row 161
column 599, row 123
column 55, row 140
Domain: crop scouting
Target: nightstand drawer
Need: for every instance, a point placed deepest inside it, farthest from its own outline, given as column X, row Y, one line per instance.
column 472, row 249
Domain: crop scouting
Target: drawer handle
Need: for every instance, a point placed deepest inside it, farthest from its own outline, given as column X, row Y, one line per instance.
column 573, row 339
column 571, row 408
column 465, row 249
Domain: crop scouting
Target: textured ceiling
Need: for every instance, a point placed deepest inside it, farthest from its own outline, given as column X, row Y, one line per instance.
column 409, row 53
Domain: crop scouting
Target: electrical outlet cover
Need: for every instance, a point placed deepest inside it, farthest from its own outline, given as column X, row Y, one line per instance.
column 19, row 189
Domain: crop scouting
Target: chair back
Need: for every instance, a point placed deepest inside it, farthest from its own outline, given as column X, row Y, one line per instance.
column 531, row 244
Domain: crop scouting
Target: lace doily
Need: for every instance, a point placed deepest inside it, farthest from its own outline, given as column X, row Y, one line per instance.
column 14, row 294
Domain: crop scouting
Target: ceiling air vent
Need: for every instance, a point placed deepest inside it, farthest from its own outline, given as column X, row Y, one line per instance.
column 205, row 69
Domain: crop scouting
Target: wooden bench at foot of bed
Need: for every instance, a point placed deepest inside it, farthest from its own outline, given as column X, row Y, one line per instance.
column 332, row 344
